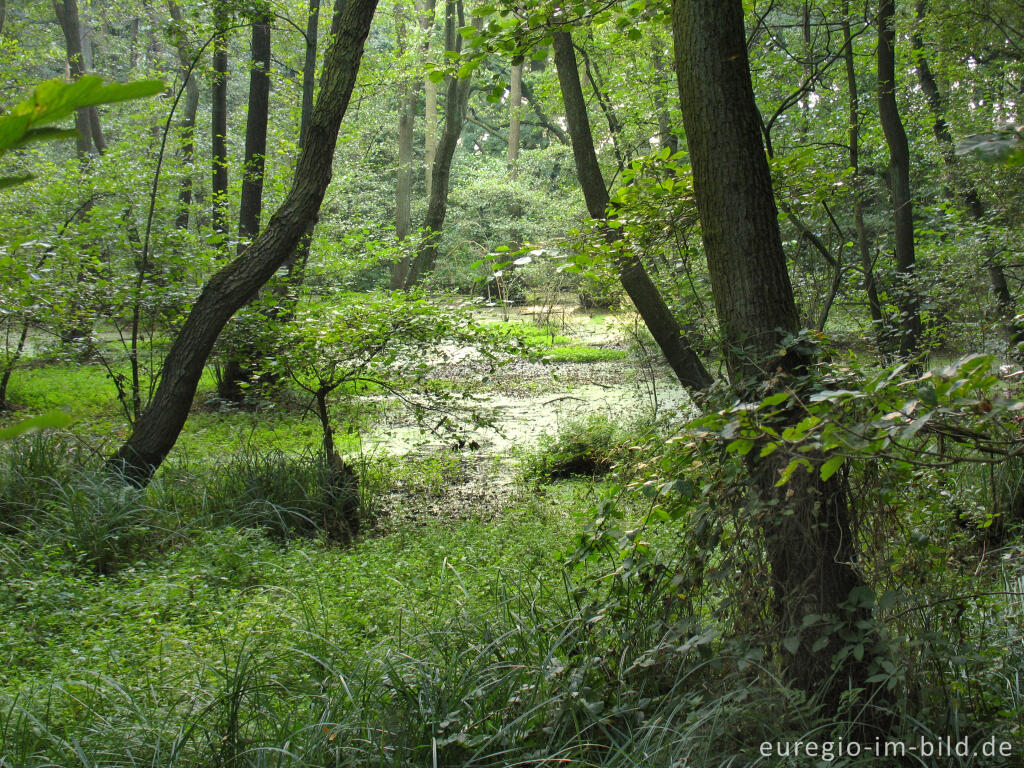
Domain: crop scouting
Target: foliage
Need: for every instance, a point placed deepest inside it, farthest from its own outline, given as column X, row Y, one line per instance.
column 53, row 101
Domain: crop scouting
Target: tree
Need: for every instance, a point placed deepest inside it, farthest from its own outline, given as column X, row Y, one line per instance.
column 187, row 126
column 863, row 249
column 899, row 180
column 962, row 186
column 87, row 119
column 234, row 374
column 456, row 103
column 637, row 283
column 251, row 205
column 219, row 117
column 806, row 524
column 235, row 284
column 403, row 192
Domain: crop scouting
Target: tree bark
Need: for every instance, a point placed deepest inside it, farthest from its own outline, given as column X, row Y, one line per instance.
column 187, row 126
column 237, row 371
column 159, row 426
column 429, row 102
column 656, row 315
column 295, row 264
column 219, row 119
column 805, row 524
column 515, row 107
column 403, row 187
column 251, row 205
column 456, row 102
column 863, row 247
column 666, row 136
column 87, row 119
column 899, row 181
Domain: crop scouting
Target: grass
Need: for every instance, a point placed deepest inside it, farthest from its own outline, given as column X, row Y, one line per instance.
column 557, row 346
column 205, row 622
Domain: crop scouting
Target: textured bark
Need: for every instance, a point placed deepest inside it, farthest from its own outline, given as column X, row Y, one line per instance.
column 309, row 68
column 805, row 524
column 899, row 181
column 157, row 430
column 87, row 119
column 863, row 246
column 251, row 205
column 634, row 278
column 187, row 126
column 237, row 371
column 219, row 119
column 456, row 102
column 295, row 264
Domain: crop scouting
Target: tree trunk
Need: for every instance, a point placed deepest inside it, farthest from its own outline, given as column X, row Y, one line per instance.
column 666, row 136
column 456, row 102
column 251, row 205
column 219, row 120
column 157, row 430
column 403, row 187
column 87, row 119
column 429, row 101
column 863, row 247
column 962, row 186
column 237, row 370
column 637, row 283
column 295, row 264
column 515, row 108
column 187, row 126
column 805, row 524
column 899, row 181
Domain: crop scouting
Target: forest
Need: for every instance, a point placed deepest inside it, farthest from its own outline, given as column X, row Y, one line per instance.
column 511, row 383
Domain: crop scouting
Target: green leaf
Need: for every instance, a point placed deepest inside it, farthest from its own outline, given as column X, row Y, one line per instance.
column 830, row 467
column 791, row 644
column 776, row 399
column 740, row 447
column 790, row 469
column 51, row 420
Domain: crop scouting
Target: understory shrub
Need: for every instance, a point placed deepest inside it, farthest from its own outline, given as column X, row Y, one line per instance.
column 587, row 446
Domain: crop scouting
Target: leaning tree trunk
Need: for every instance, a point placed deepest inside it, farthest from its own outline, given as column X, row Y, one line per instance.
column 805, row 524
column 456, row 102
column 899, row 181
column 637, row 283
column 295, row 264
column 159, row 426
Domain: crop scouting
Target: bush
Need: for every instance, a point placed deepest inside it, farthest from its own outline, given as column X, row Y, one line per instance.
column 590, row 446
